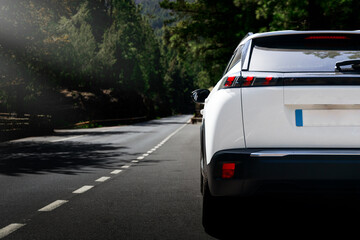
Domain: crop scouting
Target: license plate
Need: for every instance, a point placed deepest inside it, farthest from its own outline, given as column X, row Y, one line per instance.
column 327, row 118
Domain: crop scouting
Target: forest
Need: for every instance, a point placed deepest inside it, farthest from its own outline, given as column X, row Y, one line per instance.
column 80, row 60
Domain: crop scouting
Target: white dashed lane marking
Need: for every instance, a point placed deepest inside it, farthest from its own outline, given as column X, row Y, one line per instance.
column 15, row 226
column 102, row 179
column 154, row 148
column 83, row 189
column 116, row 171
column 53, row 206
column 10, row 229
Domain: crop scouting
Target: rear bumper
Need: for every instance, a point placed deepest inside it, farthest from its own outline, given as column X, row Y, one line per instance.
column 260, row 170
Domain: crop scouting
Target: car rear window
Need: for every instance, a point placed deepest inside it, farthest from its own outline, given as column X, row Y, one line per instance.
column 303, row 53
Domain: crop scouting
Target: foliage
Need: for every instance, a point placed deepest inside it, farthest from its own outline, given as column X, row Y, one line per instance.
column 114, row 58
column 80, row 46
column 155, row 14
column 207, row 31
column 309, row 14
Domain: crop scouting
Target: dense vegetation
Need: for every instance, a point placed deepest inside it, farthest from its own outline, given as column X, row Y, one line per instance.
column 207, row 31
column 96, row 59
column 80, row 59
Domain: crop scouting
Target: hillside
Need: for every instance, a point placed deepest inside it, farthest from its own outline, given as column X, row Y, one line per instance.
column 154, row 13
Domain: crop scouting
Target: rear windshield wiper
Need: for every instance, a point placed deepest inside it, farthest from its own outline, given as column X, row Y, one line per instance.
column 355, row 64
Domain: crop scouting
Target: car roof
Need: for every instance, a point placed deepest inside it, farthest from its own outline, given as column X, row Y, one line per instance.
column 294, row 32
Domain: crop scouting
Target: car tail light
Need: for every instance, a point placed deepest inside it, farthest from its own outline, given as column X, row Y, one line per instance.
column 268, row 80
column 228, row 170
column 250, row 81
column 247, row 81
column 229, row 81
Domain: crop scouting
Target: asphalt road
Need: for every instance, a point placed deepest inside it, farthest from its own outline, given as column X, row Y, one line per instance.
column 140, row 182
column 144, row 179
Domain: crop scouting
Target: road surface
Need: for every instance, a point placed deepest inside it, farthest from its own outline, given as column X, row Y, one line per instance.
column 135, row 182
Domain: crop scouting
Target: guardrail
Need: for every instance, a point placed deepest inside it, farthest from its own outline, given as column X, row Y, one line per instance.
column 14, row 125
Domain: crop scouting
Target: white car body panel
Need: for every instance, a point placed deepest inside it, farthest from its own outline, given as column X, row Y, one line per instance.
column 326, row 95
column 222, row 131
column 265, row 118
column 331, row 117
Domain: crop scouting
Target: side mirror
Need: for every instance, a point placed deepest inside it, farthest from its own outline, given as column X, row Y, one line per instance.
column 199, row 95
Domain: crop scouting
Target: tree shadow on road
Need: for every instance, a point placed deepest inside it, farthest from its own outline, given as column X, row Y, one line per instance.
column 18, row 158
column 65, row 133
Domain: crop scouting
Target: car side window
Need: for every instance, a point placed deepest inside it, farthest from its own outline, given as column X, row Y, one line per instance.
column 234, row 59
column 227, row 67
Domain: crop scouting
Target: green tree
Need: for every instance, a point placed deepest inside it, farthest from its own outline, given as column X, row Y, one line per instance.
column 79, row 45
column 79, row 49
column 308, row 14
column 207, row 31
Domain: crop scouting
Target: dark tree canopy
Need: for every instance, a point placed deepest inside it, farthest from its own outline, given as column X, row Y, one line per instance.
column 207, row 31
column 115, row 58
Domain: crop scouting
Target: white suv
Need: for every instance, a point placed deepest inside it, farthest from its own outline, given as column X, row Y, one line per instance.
column 286, row 112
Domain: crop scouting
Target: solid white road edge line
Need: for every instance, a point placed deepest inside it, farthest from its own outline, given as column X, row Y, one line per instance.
column 102, row 179
column 10, row 229
column 83, row 189
column 65, row 139
column 172, row 134
column 53, row 206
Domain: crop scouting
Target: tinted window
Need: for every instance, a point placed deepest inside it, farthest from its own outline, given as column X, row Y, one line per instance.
column 234, row 59
column 302, row 53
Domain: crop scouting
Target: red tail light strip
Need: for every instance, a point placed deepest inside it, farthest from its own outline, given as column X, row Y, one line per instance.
column 254, row 81
column 229, row 82
column 267, row 80
column 248, row 81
